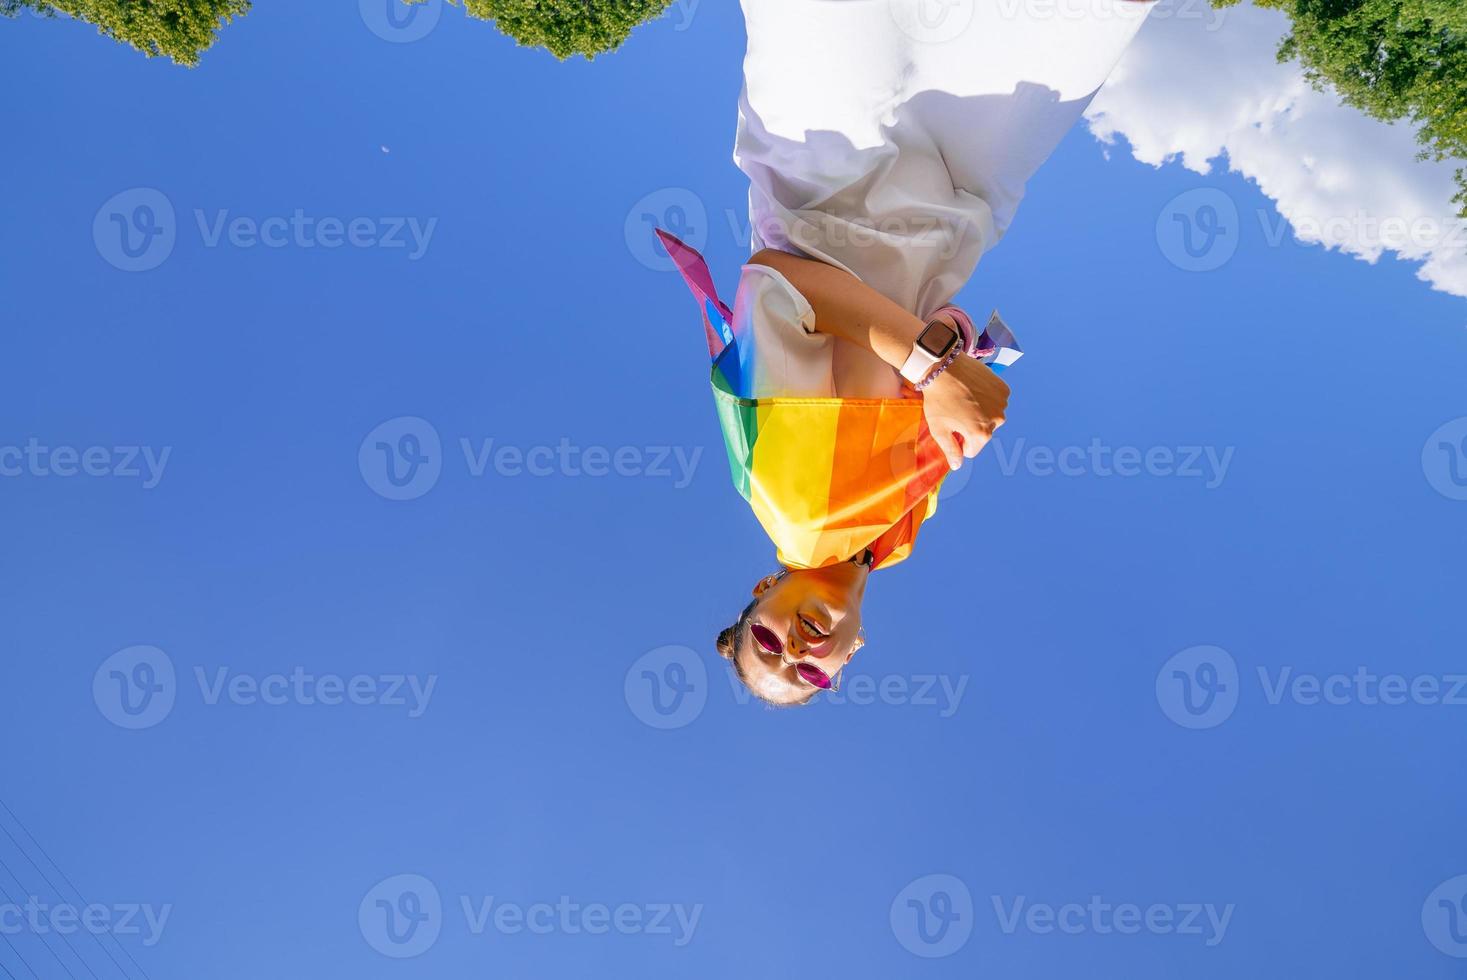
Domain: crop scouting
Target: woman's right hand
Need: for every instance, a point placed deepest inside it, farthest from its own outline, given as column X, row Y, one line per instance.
column 964, row 406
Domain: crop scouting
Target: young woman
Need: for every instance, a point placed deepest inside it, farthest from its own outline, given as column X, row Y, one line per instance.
column 887, row 144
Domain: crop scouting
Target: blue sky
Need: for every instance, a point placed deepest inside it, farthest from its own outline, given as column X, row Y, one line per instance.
column 1251, row 475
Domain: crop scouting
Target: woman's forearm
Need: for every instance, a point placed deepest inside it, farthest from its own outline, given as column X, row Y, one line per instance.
column 847, row 308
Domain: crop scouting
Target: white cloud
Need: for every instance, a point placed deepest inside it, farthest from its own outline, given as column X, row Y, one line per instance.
column 1199, row 84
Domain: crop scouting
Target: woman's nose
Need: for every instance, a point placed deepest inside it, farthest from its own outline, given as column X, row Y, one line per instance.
column 801, row 650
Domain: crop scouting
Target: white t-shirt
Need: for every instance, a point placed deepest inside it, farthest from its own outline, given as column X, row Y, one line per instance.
column 894, row 139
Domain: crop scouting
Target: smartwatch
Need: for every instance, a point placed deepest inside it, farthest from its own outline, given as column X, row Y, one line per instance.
column 934, row 344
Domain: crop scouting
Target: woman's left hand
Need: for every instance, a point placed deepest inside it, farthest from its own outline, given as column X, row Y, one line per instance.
column 964, row 406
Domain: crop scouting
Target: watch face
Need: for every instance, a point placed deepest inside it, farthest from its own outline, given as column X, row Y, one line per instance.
column 937, row 339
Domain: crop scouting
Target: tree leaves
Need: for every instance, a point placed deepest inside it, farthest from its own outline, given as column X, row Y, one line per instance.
column 1393, row 59
column 568, row 27
column 177, row 29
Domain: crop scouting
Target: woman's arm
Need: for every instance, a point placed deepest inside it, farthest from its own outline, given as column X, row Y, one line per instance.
column 963, row 406
column 847, row 308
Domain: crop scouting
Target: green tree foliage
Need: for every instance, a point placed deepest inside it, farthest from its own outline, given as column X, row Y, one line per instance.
column 177, row 29
column 1394, row 59
column 568, row 27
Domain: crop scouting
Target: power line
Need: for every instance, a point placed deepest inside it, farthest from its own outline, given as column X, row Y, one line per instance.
column 47, row 879
column 44, row 941
column 74, row 890
column 29, row 968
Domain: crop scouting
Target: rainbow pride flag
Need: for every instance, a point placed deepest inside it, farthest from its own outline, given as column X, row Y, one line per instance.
column 825, row 477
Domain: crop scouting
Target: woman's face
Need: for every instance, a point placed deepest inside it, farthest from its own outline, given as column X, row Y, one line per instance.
column 804, row 627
